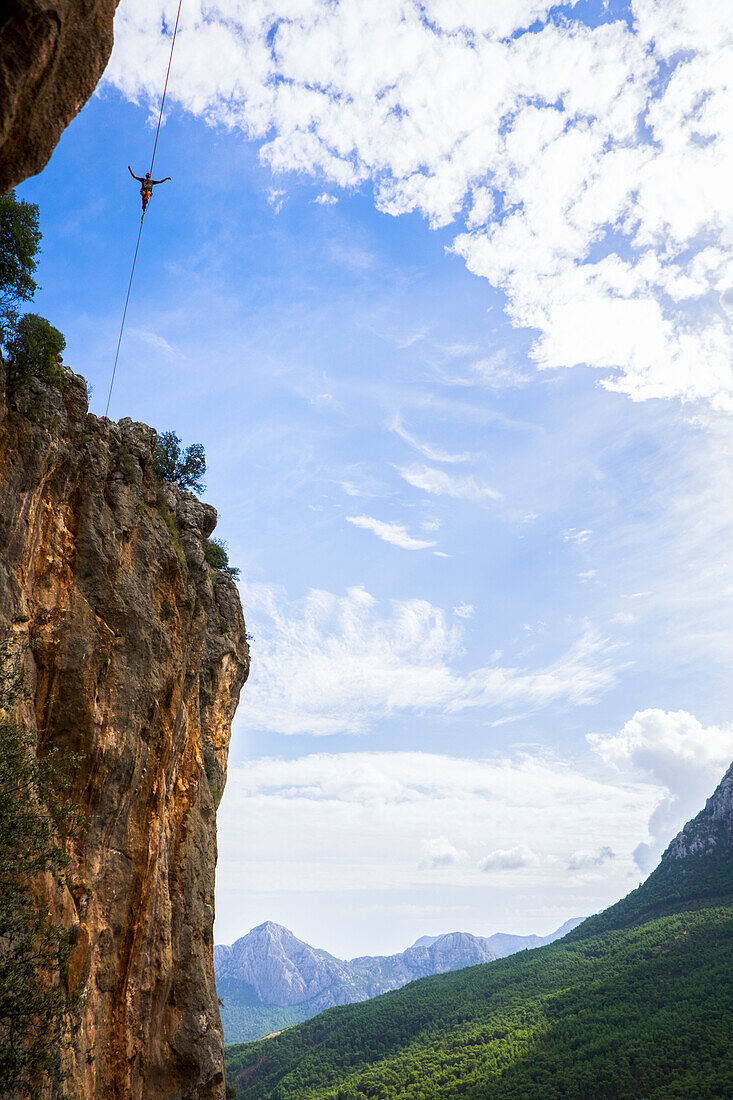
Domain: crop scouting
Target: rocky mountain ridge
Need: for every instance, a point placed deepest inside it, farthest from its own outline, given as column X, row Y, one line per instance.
column 694, row 868
column 711, row 831
column 270, row 967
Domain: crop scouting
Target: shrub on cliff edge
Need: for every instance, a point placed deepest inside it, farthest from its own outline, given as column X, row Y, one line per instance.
column 34, row 350
column 184, row 468
column 217, row 556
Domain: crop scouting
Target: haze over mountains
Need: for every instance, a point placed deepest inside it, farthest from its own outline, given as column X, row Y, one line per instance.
column 269, row 978
column 636, row 1002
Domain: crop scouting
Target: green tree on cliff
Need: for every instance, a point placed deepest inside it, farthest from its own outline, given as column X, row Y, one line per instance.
column 33, row 946
column 20, row 239
column 185, row 468
column 32, row 345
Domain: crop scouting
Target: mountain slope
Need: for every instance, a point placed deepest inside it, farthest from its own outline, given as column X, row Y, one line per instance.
column 643, row 1009
column 695, row 867
column 269, row 979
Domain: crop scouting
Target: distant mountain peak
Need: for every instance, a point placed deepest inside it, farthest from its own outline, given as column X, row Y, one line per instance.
column 425, row 941
column 270, row 968
column 270, row 928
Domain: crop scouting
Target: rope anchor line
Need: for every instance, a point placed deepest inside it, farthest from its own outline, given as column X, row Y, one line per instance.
column 142, row 219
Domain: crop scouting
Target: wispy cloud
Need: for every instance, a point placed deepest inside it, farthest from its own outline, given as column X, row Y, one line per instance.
column 568, row 122
column 395, row 533
column 276, row 199
column 351, row 255
column 576, row 536
column 325, row 199
column 441, row 483
column 310, row 675
column 155, row 340
column 378, row 809
column 433, row 453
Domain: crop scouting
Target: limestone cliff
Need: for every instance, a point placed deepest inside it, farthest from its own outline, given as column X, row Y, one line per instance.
column 51, row 57
column 136, row 654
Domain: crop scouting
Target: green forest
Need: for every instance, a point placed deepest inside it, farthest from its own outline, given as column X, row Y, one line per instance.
column 635, row 1002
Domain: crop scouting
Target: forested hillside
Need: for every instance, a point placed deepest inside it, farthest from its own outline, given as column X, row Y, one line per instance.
column 636, row 1002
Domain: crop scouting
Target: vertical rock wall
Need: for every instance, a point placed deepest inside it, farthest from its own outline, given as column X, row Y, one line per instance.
column 135, row 652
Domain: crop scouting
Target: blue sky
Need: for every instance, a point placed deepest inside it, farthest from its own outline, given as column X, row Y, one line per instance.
column 488, row 593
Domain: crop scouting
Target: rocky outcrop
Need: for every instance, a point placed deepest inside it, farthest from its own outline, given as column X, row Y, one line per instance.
column 711, row 832
column 696, row 869
column 51, row 58
column 135, row 654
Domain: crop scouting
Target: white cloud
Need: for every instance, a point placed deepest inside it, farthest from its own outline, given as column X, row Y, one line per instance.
column 464, row 611
column 159, row 342
column 625, row 618
column 576, row 536
column 342, row 810
column 441, row 852
column 497, row 374
column 276, row 199
column 588, row 167
column 509, row 859
column 440, row 483
column 351, row 255
column 337, row 664
column 353, row 490
column 584, row 860
column 324, row 199
column 432, row 453
column 674, row 750
column 395, row 533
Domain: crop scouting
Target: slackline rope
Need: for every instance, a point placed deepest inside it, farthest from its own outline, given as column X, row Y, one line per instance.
column 142, row 219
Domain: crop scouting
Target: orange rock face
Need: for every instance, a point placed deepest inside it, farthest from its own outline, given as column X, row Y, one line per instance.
column 136, row 653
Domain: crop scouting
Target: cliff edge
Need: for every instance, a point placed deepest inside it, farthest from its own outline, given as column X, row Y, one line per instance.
column 135, row 653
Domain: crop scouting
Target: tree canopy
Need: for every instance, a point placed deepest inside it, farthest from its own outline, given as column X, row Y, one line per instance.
column 184, row 468
column 20, row 239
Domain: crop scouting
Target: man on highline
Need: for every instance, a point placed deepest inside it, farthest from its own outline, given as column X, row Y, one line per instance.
column 147, row 185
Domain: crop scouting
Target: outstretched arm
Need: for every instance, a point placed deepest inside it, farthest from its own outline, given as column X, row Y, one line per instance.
column 138, row 178
column 161, row 181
